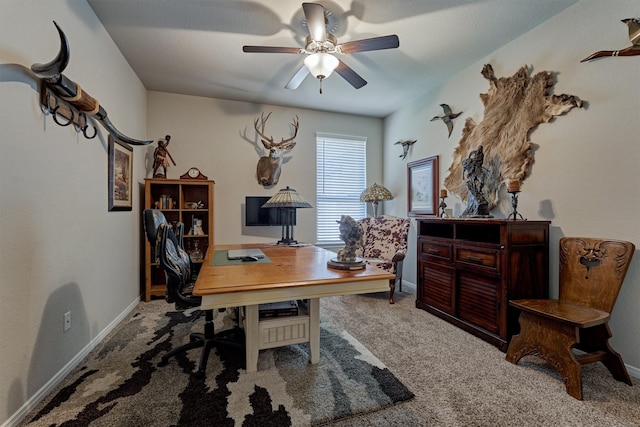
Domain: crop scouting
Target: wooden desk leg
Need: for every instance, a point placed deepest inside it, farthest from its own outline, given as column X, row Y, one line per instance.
column 252, row 338
column 314, row 329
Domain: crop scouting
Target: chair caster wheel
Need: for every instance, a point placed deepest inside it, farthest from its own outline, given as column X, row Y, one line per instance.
column 199, row 374
column 162, row 362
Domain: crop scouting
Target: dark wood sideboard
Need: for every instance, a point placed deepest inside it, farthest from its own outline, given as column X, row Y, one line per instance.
column 469, row 269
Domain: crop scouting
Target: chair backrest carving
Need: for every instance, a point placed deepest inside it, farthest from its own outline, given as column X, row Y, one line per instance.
column 592, row 270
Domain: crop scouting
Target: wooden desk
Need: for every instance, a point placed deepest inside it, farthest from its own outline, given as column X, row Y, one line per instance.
column 293, row 274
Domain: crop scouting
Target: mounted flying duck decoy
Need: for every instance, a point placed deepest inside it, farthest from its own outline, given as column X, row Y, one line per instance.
column 633, row 50
column 447, row 117
column 405, row 147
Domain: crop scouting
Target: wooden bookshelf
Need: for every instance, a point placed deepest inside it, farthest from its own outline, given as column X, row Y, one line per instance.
column 174, row 198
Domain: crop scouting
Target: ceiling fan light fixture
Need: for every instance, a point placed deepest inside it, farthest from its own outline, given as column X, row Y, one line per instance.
column 321, row 64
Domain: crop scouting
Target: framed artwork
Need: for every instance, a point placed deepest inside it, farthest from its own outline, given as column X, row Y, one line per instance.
column 120, row 176
column 422, row 187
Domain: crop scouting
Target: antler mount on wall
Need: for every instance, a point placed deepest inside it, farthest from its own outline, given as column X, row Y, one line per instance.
column 62, row 97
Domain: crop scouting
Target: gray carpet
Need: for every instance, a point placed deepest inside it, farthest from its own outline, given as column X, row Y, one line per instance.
column 120, row 383
column 459, row 380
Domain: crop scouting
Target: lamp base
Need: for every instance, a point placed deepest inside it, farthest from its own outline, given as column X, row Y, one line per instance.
column 358, row 264
column 287, row 242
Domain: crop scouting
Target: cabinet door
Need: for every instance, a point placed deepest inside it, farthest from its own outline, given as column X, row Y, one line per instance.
column 478, row 300
column 437, row 286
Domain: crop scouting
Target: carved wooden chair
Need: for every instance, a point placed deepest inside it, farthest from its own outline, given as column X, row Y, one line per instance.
column 384, row 244
column 572, row 331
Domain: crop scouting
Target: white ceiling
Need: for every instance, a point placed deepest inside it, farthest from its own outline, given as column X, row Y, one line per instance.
column 194, row 47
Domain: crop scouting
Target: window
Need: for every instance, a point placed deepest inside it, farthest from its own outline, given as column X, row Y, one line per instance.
column 341, row 177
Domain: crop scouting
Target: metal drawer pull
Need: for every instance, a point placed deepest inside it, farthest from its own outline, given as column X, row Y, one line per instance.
column 433, row 251
column 474, row 259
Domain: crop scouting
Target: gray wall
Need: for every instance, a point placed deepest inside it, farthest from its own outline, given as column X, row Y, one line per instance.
column 60, row 250
column 584, row 179
column 218, row 137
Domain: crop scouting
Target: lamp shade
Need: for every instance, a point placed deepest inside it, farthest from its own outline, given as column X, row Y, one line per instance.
column 286, row 198
column 375, row 193
column 321, row 65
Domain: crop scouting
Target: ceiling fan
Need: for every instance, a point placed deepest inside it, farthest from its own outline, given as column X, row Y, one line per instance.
column 321, row 46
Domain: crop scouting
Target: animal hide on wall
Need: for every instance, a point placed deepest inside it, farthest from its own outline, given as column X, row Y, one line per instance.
column 513, row 106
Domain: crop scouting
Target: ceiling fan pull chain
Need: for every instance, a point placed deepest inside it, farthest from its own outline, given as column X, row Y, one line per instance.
column 321, row 86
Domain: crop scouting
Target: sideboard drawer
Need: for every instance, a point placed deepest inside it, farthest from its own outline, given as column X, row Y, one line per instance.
column 435, row 251
column 485, row 259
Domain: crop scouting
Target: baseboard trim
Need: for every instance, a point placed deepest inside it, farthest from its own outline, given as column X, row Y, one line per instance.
column 633, row 371
column 33, row 401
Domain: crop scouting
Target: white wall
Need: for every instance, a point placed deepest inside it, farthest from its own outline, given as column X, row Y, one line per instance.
column 218, row 137
column 60, row 249
column 584, row 179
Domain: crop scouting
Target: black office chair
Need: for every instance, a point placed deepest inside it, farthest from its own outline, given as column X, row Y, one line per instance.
column 177, row 266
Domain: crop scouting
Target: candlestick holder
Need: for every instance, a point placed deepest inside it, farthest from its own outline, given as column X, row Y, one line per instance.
column 442, row 206
column 514, row 204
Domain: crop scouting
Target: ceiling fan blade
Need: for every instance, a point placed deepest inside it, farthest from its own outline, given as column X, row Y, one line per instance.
column 350, row 76
column 314, row 13
column 298, row 77
column 271, row 49
column 374, row 43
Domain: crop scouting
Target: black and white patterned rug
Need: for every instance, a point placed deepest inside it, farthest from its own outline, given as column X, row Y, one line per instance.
column 120, row 383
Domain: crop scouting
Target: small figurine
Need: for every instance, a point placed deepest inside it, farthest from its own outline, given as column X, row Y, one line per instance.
column 351, row 235
column 447, row 117
column 160, row 155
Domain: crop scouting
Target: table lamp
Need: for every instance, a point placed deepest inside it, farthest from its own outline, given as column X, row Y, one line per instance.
column 287, row 200
column 375, row 194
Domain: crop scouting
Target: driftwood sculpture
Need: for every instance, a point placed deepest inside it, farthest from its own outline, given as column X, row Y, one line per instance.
column 633, row 50
column 62, row 96
column 473, row 175
column 513, row 107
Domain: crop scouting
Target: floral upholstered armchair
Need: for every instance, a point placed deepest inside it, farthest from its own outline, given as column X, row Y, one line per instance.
column 384, row 244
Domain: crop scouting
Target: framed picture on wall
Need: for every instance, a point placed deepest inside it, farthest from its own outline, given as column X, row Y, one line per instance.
column 120, row 176
column 422, row 187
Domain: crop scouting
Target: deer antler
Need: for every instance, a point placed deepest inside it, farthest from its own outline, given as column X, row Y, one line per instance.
column 266, row 140
column 296, row 126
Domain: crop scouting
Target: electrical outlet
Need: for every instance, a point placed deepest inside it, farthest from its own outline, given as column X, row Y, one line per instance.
column 67, row 321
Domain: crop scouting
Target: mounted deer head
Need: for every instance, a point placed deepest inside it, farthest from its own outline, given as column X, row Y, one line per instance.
column 269, row 167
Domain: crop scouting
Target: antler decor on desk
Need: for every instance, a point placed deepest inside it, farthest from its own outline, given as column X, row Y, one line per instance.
column 62, row 97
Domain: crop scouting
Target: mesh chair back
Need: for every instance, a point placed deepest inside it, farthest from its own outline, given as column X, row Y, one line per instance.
column 177, row 266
